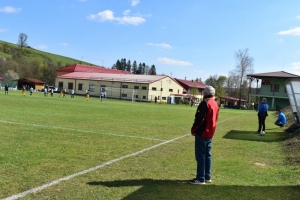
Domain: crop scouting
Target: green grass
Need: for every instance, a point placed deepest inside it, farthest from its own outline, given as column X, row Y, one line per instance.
column 44, row 139
column 30, row 54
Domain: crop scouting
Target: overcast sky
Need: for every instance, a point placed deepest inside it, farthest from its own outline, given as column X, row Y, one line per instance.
column 192, row 39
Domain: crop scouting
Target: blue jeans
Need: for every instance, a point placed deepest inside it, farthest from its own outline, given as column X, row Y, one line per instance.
column 203, row 157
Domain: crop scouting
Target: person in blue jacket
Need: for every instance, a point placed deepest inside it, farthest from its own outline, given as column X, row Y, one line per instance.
column 281, row 120
column 262, row 114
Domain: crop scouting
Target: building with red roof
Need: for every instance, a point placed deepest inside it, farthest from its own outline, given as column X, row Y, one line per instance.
column 89, row 69
column 192, row 89
column 135, row 87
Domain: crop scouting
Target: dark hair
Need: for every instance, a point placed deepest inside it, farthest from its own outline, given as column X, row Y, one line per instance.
column 295, row 113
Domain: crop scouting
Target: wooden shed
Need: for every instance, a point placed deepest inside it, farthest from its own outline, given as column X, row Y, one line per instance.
column 30, row 82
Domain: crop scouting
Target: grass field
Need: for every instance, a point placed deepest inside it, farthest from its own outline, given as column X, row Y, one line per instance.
column 54, row 148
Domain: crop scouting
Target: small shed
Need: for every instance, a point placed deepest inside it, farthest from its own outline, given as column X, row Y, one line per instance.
column 30, row 82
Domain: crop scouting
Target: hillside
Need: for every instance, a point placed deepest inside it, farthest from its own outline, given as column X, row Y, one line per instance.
column 8, row 49
column 31, row 63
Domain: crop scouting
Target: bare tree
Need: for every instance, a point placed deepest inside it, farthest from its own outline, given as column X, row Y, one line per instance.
column 243, row 67
column 22, row 40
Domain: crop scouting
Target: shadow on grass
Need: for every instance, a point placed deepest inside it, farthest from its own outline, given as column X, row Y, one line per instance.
column 253, row 136
column 180, row 189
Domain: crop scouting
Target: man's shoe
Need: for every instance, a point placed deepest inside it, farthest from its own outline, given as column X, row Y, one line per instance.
column 262, row 133
column 196, row 182
column 208, row 181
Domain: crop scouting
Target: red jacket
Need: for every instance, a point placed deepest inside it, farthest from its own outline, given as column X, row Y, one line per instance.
column 206, row 118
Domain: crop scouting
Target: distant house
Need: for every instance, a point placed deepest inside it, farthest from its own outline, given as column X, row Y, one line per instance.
column 89, row 69
column 272, row 88
column 231, row 102
column 30, row 82
column 191, row 89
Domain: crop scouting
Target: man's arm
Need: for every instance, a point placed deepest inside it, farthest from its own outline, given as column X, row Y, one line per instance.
column 199, row 116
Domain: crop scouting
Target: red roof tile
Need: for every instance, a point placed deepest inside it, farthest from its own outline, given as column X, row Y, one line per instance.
column 93, row 69
column 190, row 83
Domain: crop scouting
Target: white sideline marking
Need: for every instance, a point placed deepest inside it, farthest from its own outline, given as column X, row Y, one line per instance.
column 22, row 194
column 87, row 170
column 72, row 129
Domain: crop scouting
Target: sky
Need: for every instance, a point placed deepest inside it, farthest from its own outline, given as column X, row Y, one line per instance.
column 183, row 39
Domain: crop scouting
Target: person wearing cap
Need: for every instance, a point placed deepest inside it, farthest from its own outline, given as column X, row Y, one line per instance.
column 281, row 120
column 203, row 129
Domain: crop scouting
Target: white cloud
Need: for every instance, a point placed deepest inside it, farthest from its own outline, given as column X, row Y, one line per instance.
column 135, row 2
column 64, row 44
column 294, row 68
column 108, row 15
column 169, row 61
column 162, row 45
column 126, row 12
column 298, row 17
column 3, row 30
column 294, row 31
column 9, row 9
column 42, row 46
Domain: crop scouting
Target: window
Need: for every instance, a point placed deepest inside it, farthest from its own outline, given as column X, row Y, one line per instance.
column 124, row 95
column 70, row 86
column 80, row 86
column 171, row 90
column 144, row 88
column 136, row 96
column 124, row 86
column 144, row 97
column 178, row 92
column 274, row 88
column 153, row 88
column 61, row 85
column 136, row 87
column 161, row 89
column 164, row 98
column 92, row 87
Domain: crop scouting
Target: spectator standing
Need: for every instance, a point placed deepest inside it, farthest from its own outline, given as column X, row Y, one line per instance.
column 203, row 129
column 262, row 114
column 6, row 89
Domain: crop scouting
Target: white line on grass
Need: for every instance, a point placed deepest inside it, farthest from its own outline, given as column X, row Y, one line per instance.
column 87, row 170
column 84, row 131
column 22, row 194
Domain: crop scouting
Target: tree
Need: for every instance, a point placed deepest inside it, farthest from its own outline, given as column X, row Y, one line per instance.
column 128, row 66
column 243, row 67
column 140, row 69
column 22, row 40
column 218, row 83
column 134, row 67
column 212, row 80
column 152, row 70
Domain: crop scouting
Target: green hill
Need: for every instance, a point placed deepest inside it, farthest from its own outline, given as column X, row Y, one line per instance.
column 8, row 50
column 28, row 62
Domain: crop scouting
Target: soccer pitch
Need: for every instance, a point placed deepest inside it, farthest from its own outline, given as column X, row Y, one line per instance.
column 54, row 148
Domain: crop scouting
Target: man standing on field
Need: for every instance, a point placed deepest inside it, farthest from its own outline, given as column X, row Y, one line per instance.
column 203, row 129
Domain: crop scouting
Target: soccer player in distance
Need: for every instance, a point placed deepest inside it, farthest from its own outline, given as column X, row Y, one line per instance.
column 203, row 129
